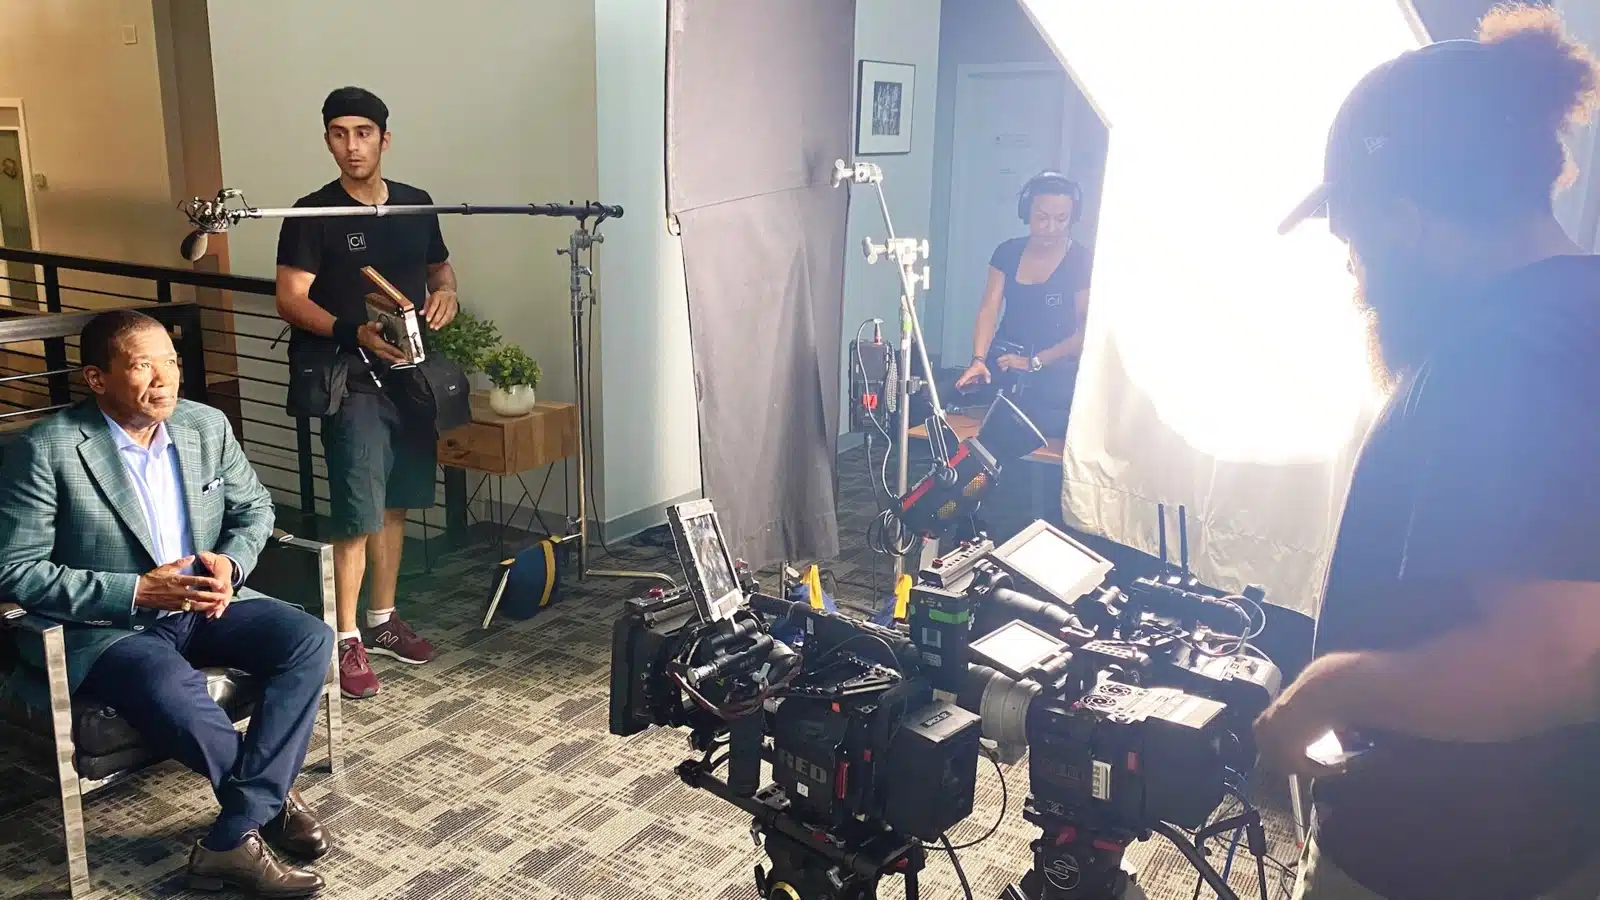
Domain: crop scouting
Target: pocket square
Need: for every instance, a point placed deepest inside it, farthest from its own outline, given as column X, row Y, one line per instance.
column 211, row 485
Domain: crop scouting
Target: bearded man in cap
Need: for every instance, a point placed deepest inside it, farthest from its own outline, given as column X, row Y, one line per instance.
column 1459, row 638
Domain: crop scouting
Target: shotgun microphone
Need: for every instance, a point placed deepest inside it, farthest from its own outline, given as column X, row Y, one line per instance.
column 194, row 246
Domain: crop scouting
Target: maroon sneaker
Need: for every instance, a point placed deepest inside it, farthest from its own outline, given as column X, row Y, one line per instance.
column 356, row 678
column 395, row 638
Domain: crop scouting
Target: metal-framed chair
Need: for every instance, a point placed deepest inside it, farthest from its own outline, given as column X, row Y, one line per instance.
column 94, row 748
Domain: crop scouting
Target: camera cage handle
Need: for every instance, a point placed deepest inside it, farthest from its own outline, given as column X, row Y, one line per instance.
column 387, row 291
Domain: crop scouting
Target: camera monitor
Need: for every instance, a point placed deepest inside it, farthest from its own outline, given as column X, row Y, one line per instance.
column 1046, row 557
column 707, row 564
column 1015, row 649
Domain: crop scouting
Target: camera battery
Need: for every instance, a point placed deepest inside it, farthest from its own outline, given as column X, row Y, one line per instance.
column 932, row 770
column 941, row 623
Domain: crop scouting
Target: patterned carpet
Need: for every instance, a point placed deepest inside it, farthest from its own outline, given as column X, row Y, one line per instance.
column 490, row 773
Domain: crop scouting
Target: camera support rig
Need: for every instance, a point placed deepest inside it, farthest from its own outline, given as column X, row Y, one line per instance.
column 808, row 864
column 1073, row 862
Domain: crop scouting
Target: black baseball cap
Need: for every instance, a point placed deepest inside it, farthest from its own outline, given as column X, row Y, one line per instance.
column 1421, row 125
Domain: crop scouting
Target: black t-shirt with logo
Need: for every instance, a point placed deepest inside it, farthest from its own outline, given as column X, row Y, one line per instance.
column 1039, row 316
column 1484, row 466
column 335, row 249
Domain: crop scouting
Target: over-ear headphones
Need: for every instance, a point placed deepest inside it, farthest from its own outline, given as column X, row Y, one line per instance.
column 1049, row 183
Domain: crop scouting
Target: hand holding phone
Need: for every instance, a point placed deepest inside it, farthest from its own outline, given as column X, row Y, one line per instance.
column 1335, row 752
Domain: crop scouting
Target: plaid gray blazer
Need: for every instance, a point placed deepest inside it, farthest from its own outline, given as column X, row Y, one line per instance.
column 74, row 539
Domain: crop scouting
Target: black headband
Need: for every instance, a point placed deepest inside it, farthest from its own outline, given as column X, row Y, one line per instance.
column 353, row 101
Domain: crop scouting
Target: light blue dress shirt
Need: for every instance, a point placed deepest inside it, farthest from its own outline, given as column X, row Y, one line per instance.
column 157, row 480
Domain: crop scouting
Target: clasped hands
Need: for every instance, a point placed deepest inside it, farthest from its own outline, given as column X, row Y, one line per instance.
column 168, row 588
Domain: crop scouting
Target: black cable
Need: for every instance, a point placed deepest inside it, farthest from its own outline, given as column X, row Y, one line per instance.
column 961, row 875
column 1004, row 800
column 894, row 660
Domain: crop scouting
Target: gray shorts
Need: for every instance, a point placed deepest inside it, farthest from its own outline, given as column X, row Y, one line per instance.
column 375, row 462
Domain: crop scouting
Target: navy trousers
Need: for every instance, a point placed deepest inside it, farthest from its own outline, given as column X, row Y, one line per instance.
column 151, row 679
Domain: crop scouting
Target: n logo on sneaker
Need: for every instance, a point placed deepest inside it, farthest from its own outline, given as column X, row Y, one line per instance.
column 386, row 638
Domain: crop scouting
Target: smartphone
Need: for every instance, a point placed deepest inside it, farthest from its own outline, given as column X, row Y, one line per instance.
column 1335, row 751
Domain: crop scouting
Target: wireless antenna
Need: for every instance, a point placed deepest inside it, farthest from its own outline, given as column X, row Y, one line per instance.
column 1161, row 523
column 1183, row 540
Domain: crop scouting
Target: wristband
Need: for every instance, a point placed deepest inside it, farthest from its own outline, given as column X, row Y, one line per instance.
column 344, row 334
column 981, row 359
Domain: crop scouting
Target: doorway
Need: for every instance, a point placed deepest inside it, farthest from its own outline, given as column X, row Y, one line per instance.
column 1010, row 124
column 18, row 218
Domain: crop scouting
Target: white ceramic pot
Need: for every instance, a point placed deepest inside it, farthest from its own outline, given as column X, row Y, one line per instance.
column 517, row 401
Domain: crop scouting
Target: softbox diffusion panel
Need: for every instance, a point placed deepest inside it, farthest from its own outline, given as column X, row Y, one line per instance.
column 1224, row 365
column 758, row 109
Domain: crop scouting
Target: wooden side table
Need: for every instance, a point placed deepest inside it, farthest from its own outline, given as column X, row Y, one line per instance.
column 508, row 446
column 497, row 445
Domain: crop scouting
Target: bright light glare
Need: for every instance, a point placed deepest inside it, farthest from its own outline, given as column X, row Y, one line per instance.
column 1247, row 342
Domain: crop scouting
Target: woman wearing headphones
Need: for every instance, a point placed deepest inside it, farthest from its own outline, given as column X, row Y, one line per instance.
column 1030, row 325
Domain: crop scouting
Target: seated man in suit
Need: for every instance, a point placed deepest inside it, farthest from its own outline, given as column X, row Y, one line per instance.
column 133, row 518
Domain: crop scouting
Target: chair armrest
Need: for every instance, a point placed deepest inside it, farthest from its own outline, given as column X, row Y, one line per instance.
column 51, row 638
column 299, row 571
column 14, row 617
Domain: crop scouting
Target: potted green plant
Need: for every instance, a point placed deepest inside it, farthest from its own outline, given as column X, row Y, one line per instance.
column 515, row 376
column 466, row 341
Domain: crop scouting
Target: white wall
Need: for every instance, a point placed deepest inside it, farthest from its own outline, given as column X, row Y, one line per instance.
column 95, row 127
column 898, row 31
column 491, row 101
column 650, row 432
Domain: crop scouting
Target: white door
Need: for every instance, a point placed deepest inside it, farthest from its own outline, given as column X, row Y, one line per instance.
column 1010, row 125
column 19, row 223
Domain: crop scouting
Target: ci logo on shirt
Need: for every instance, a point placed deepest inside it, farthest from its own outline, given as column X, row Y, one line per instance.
column 357, row 241
column 1052, row 299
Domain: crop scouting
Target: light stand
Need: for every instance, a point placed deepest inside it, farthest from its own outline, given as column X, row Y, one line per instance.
column 581, row 287
column 906, row 253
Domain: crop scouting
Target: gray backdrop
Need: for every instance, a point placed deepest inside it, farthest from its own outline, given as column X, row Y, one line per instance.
column 759, row 106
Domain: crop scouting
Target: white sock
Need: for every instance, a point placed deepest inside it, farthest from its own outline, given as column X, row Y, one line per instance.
column 350, row 635
column 374, row 619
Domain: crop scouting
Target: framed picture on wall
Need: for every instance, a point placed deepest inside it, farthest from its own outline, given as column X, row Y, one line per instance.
column 884, row 95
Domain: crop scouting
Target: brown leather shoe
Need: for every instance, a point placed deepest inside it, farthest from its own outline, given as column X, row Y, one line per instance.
column 295, row 831
column 250, row 867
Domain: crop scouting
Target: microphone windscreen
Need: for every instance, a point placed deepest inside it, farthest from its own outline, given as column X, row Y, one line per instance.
column 194, row 246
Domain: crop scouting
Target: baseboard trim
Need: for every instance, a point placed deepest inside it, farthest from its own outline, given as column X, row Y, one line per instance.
column 626, row 526
column 619, row 529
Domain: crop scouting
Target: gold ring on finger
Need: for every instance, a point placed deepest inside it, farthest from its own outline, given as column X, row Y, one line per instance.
column 188, row 605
